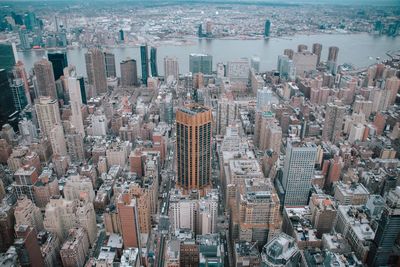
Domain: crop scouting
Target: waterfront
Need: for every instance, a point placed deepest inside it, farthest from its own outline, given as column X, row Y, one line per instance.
column 360, row 50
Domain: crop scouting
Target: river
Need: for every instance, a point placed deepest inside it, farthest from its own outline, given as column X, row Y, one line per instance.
column 360, row 50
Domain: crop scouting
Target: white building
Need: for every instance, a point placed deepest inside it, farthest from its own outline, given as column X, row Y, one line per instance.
column 57, row 140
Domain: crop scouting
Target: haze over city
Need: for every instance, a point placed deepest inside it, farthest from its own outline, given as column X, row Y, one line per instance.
column 199, row 133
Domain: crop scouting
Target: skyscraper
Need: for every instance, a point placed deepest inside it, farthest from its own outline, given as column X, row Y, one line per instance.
column 48, row 114
column 27, row 247
column 153, row 61
column 200, row 63
column 144, row 57
column 387, row 232
column 75, row 99
column 302, row 48
column 6, row 98
column 7, row 59
column 317, row 49
column 45, row 79
column 59, row 61
column 128, row 216
column 109, row 59
column 267, row 28
column 333, row 53
column 298, row 170
column 171, row 68
column 128, row 72
column 193, row 146
column 334, row 116
column 121, row 35
column 96, row 70
column 18, row 92
column 57, row 140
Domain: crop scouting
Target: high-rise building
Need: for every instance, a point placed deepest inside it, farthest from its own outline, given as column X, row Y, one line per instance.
column 171, row 68
column 255, row 63
column 286, row 68
column 304, row 62
column 282, row 250
column 144, row 57
column 333, row 53
column 298, row 170
column 48, row 114
column 96, row 70
column 75, row 147
column 238, row 70
column 333, row 124
column 288, row 52
column 109, row 59
column 153, row 61
column 200, row 63
column 128, row 216
column 267, row 28
column 25, row 177
column 46, row 85
column 18, row 92
column 6, row 97
column 387, row 232
column 27, row 247
column 75, row 249
column 317, row 49
column 226, row 114
column 302, row 48
column 128, row 72
column 59, row 61
column 26, row 213
column 75, row 99
column 121, row 35
column 7, row 59
column 57, row 140
column 193, row 143
column 7, row 222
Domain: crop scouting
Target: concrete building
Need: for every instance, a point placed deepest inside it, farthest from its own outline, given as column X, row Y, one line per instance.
column 128, row 217
column 226, row 114
column 57, row 140
column 75, row 249
column 193, row 146
column 45, row 187
column 246, row 254
column 280, row 251
column 75, row 146
column 317, row 49
column 129, row 72
column 25, row 177
column 45, row 79
column 117, row 153
column 171, row 68
column 238, row 70
column 48, row 114
column 96, row 70
column 351, row 194
column 305, row 62
column 99, row 125
column 26, row 213
column 75, row 99
column 109, row 60
column 77, row 187
column 298, row 171
column 333, row 124
column 323, row 213
column 27, row 247
column 62, row 215
column 286, row 68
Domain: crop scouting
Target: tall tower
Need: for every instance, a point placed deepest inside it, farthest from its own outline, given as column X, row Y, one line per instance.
column 45, row 78
column 48, row 114
column 387, row 232
column 153, row 61
column 200, row 63
column 109, row 59
column 59, row 61
column 317, row 49
column 7, row 59
column 267, row 28
column 334, row 116
column 128, row 216
column 171, row 68
column 193, row 144
column 96, row 70
column 333, row 53
column 6, row 98
column 75, row 98
column 298, row 171
column 144, row 57
column 57, row 140
column 128, row 72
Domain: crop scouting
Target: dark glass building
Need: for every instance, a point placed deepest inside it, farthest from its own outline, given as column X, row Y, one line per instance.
column 59, row 61
column 153, row 61
column 144, row 56
column 7, row 60
column 6, row 98
column 267, row 28
column 83, row 91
